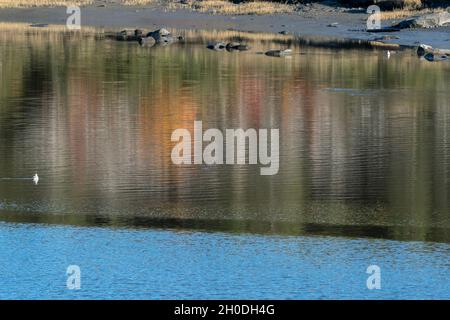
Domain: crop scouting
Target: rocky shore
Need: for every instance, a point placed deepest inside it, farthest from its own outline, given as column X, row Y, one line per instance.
column 315, row 19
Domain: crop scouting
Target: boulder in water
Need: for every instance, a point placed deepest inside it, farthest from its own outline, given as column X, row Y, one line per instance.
column 436, row 57
column 278, row 53
column 236, row 46
column 147, row 41
column 138, row 33
column 216, row 45
column 158, row 34
column 163, row 37
column 129, row 35
column 432, row 54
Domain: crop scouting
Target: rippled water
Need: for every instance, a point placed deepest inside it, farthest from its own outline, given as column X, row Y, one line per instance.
column 364, row 152
column 155, row 264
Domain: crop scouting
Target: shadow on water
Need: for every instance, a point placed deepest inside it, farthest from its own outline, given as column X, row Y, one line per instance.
column 284, row 228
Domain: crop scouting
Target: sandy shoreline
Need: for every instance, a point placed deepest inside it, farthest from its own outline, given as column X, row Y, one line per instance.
column 350, row 23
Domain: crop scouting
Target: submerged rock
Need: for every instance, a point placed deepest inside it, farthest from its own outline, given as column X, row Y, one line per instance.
column 129, row 35
column 436, row 57
column 138, row 33
column 237, row 46
column 423, row 49
column 147, row 41
column 39, row 25
column 278, row 53
column 431, row 20
column 432, row 54
column 163, row 41
column 159, row 34
column 164, row 37
column 216, row 45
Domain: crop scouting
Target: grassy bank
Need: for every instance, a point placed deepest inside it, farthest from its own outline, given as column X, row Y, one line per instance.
column 405, row 13
column 251, row 7
column 391, row 9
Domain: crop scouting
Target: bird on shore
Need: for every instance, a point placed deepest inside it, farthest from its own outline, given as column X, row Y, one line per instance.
column 388, row 54
column 36, row 178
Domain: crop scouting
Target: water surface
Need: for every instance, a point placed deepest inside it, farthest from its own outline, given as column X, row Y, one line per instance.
column 161, row 264
column 364, row 139
column 364, row 152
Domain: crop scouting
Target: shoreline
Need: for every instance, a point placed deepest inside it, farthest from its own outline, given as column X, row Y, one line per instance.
column 348, row 24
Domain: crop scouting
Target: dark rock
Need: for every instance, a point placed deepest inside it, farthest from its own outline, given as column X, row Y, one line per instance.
column 138, row 33
column 278, row 53
column 163, row 41
column 432, row 20
column 216, row 45
column 237, row 46
column 436, row 57
column 232, row 45
column 127, row 35
column 424, row 50
column 147, row 41
column 163, row 37
column 39, row 25
column 158, row 34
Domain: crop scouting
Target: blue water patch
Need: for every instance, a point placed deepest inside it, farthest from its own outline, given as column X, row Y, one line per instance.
column 160, row 264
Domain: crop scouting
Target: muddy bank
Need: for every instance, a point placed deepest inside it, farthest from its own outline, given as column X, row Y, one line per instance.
column 318, row 20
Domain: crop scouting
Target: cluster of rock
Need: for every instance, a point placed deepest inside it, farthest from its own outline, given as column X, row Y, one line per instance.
column 427, row 21
column 231, row 46
column 278, row 53
column 431, row 20
column 239, row 46
column 431, row 54
column 164, row 37
column 161, row 37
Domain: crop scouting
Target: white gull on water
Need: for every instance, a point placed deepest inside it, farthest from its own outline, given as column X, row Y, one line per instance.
column 35, row 178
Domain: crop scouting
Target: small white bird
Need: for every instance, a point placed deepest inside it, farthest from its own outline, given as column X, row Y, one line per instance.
column 36, row 178
column 388, row 54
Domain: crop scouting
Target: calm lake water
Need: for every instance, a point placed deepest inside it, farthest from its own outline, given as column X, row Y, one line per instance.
column 364, row 153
